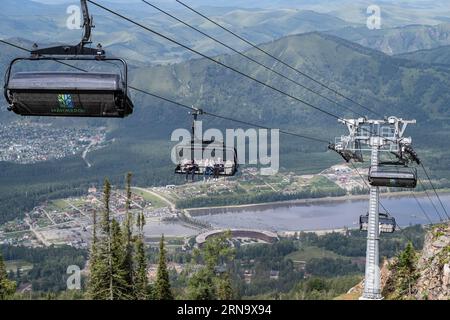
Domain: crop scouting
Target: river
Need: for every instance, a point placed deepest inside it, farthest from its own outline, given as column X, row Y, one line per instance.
column 322, row 216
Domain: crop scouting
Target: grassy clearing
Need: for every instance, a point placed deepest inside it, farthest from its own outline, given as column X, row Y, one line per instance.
column 59, row 204
column 156, row 202
column 13, row 265
column 308, row 253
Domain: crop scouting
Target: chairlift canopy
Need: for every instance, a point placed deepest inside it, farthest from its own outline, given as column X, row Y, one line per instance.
column 393, row 176
column 68, row 94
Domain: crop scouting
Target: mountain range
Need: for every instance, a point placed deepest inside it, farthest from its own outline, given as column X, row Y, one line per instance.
column 47, row 23
column 43, row 23
column 385, row 84
column 398, row 40
column 440, row 55
column 402, row 83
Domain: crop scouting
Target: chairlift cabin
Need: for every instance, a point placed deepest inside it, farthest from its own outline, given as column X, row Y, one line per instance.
column 387, row 224
column 69, row 94
column 199, row 155
column 393, row 176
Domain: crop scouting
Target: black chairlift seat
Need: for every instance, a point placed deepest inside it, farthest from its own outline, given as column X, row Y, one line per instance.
column 393, row 176
column 386, row 223
column 76, row 94
column 224, row 159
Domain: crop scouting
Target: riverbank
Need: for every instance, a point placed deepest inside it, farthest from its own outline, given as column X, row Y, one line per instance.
column 315, row 201
column 323, row 216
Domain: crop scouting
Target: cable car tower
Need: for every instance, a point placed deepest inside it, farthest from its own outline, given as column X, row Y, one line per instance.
column 378, row 136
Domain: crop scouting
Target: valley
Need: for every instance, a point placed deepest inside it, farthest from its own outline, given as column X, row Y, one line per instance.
column 100, row 197
column 414, row 87
column 284, row 203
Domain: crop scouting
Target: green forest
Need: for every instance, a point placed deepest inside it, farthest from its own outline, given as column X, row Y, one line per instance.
column 333, row 263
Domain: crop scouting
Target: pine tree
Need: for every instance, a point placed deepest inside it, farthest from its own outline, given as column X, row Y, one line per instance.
column 108, row 275
column 217, row 250
column 224, row 287
column 100, row 269
column 162, row 285
column 118, row 261
column 201, row 286
column 406, row 270
column 106, row 222
column 106, row 245
column 140, row 278
column 7, row 287
column 120, row 288
column 94, row 281
column 207, row 283
column 128, row 237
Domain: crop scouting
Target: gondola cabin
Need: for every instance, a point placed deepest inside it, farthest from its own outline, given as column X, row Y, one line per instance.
column 387, row 224
column 68, row 94
column 394, row 177
column 203, row 155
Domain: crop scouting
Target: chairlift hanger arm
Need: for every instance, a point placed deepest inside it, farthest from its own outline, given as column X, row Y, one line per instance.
column 195, row 113
column 411, row 153
column 346, row 154
column 79, row 49
column 87, row 23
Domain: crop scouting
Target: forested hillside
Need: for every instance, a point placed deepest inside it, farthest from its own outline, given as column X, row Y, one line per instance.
column 439, row 55
column 398, row 40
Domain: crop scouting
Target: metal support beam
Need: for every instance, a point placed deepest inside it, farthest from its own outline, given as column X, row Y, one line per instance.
column 372, row 288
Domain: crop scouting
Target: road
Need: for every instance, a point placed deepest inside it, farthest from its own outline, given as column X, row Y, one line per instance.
column 85, row 152
column 48, row 216
column 265, row 182
column 79, row 210
column 93, row 142
column 39, row 236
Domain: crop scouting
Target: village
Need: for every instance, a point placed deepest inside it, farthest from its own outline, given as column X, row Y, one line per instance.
column 31, row 142
column 69, row 221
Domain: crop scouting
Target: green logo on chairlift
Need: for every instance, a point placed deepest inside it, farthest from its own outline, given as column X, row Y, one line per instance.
column 66, row 105
column 65, row 101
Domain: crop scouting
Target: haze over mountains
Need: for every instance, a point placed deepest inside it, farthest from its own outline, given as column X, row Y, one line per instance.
column 47, row 23
column 394, row 12
column 351, row 71
column 42, row 23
